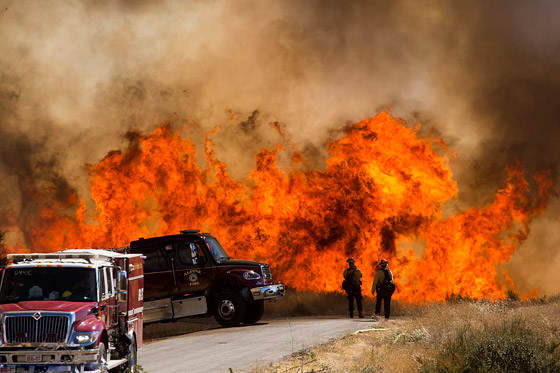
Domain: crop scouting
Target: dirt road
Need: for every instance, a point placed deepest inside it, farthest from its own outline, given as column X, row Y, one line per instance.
column 218, row 350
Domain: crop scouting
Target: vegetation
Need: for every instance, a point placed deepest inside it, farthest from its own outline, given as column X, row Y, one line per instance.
column 509, row 346
column 463, row 335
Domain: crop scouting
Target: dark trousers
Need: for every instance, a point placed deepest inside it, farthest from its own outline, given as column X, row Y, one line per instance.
column 358, row 296
column 386, row 298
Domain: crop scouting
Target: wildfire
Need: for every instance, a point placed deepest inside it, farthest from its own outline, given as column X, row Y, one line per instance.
column 381, row 193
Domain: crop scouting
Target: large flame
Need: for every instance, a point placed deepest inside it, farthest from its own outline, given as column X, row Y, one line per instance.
column 381, row 195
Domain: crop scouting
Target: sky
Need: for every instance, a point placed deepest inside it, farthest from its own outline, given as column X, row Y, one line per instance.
column 76, row 76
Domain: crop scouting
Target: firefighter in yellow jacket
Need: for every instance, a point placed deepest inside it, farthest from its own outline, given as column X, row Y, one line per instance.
column 352, row 284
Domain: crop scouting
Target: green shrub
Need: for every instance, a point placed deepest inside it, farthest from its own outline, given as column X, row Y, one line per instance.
column 508, row 347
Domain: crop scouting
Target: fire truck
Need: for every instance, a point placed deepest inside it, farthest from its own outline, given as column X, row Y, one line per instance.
column 71, row 311
column 190, row 274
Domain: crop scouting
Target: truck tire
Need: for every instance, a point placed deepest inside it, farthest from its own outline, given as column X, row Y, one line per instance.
column 254, row 312
column 229, row 308
column 101, row 364
column 131, row 359
column 132, row 356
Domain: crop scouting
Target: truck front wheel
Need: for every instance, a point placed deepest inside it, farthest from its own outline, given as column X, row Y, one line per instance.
column 131, row 358
column 255, row 311
column 229, row 308
column 101, row 364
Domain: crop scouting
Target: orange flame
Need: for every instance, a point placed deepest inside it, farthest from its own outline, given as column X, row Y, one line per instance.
column 381, row 195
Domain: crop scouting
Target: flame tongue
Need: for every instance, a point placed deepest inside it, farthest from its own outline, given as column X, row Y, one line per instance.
column 383, row 188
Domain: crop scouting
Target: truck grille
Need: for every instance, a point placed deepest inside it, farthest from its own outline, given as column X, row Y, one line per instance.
column 266, row 272
column 28, row 329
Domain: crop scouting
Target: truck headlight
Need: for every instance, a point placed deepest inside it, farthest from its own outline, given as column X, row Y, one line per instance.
column 251, row 275
column 85, row 338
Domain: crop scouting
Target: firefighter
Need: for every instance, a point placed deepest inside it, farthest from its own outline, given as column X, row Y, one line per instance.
column 79, row 291
column 384, row 286
column 352, row 284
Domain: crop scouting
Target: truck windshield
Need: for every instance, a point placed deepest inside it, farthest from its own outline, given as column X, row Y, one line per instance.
column 216, row 249
column 33, row 283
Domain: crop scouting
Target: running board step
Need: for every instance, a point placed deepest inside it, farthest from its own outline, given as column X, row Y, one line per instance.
column 115, row 363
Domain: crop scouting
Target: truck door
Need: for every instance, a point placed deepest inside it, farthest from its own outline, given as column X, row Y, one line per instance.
column 114, row 300
column 158, row 274
column 193, row 268
column 103, row 295
column 108, row 306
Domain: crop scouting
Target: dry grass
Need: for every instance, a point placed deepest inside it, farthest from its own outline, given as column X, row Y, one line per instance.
column 427, row 338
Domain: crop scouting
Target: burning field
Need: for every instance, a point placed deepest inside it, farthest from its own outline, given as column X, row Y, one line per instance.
column 381, row 195
column 422, row 132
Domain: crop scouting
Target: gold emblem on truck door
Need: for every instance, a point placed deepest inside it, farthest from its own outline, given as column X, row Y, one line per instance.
column 193, row 277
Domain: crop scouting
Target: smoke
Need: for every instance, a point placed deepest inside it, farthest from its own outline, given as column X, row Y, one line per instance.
column 77, row 76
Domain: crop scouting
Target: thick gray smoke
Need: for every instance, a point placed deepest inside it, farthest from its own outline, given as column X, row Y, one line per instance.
column 77, row 75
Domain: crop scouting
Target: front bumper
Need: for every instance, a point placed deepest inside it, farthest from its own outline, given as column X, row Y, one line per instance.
column 42, row 369
column 46, row 357
column 268, row 292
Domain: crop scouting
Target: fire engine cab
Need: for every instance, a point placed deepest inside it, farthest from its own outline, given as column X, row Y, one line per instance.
column 71, row 311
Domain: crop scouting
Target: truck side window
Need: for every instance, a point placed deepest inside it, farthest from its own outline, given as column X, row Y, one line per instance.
column 108, row 290
column 198, row 251
column 189, row 254
column 184, row 254
column 110, row 281
column 194, row 252
column 107, row 284
column 115, row 272
column 155, row 260
column 102, row 285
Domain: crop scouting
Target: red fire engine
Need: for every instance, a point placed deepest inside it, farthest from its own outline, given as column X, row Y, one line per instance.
column 71, row 311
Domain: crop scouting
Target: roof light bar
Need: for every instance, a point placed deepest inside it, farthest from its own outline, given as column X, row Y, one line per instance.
column 190, row 231
column 53, row 256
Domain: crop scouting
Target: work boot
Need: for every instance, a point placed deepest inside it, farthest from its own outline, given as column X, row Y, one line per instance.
column 361, row 316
